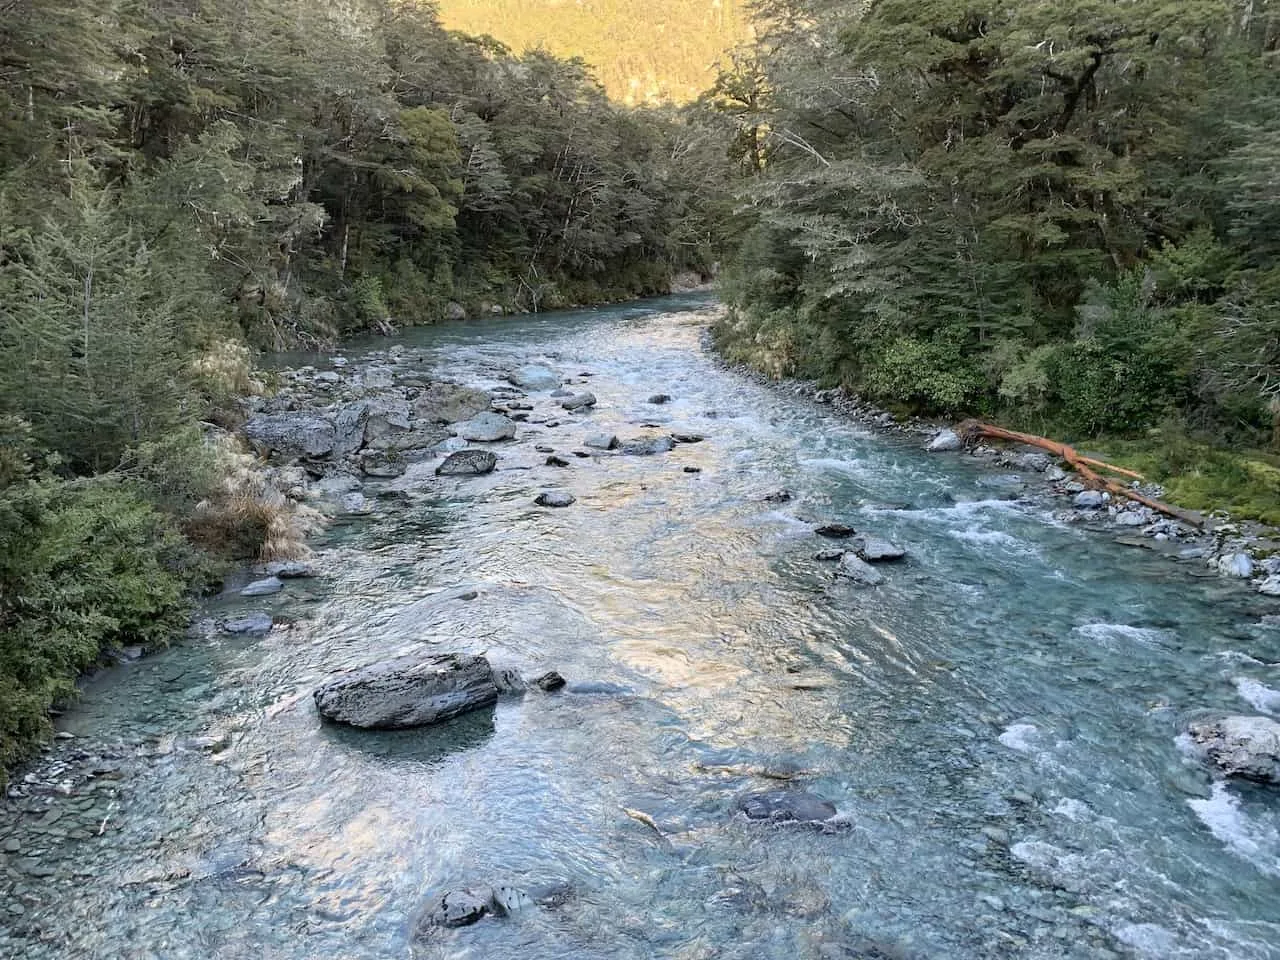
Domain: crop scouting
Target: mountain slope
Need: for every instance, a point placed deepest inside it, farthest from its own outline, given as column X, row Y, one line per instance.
column 644, row 51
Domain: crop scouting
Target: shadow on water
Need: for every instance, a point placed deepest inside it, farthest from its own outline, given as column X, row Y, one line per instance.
column 425, row 746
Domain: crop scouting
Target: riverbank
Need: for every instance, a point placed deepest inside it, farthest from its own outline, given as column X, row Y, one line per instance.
column 1246, row 549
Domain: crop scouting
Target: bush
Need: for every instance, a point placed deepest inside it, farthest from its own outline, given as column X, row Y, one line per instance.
column 85, row 568
column 930, row 375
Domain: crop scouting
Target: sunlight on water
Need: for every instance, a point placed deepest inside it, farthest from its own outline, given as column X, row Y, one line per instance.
column 996, row 723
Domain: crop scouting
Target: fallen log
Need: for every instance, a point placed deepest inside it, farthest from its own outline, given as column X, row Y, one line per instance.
column 1086, row 467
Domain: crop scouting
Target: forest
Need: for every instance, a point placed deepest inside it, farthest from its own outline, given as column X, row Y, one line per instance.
column 1061, row 216
column 185, row 181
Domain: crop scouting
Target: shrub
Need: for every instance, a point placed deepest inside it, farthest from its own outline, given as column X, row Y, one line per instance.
column 85, row 567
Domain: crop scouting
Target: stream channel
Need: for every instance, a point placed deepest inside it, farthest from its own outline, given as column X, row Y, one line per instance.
column 998, row 722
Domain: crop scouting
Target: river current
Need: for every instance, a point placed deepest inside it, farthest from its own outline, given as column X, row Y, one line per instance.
column 997, row 723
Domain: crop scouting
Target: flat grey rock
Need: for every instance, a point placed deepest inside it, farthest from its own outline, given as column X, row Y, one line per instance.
column 601, row 441
column 648, row 446
column 255, row 624
column 875, row 550
column 534, row 376
column 410, row 691
column 1089, row 500
column 486, row 428
column 263, row 588
column 856, row 569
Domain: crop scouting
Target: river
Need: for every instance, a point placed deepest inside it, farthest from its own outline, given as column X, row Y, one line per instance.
column 997, row 723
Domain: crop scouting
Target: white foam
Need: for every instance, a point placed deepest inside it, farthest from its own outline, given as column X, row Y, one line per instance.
column 1077, row 811
column 1018, row 737
column 1261, row 697
column 1148, row 939
column 1110, row 633
column 1258, row 843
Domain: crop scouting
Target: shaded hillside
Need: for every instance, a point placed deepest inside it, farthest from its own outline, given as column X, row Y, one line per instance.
column 642, row 50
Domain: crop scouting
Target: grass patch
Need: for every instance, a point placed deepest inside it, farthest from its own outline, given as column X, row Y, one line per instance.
column 1200, row 476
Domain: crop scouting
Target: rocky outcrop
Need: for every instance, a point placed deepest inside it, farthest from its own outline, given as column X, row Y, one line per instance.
column 467, row 463
column 410, row 691
column 782, row 806
column 1246, row 747
column 486, row 428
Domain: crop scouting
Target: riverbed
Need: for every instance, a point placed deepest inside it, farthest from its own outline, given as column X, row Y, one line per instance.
column 998, row 723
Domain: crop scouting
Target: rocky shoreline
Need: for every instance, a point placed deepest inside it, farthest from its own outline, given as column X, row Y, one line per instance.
column 1245, row 551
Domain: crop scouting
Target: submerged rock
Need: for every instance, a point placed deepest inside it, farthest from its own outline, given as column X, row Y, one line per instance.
column 289, row 569
column 410, row 691
column 778, row 496
column 467, row 463
column 854, row 568
column 556, row 498
column 601, row 441
column 681, row 436
column 660, row 398
column 534, row 376
column 648, row 446
column 579, row 401
column 486, row 428
column 836, row 531
column 875, row 550
column 945, row 441
column 555, row 461
column 253, row 624
column 1246, row 747
column 781, row 806
column 263, row 588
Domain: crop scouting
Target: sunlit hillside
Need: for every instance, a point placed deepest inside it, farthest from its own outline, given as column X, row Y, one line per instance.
column 643, row 50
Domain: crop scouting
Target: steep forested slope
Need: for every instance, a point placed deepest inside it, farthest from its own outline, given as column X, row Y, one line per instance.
column 642, row 50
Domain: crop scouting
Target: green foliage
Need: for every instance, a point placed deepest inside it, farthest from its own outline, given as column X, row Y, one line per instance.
column 1061, row 214
column 84, row 569
column 929, row 375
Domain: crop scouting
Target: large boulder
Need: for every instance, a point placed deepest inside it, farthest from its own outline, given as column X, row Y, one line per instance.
column 467, row 463
column 1238, row 565
column 486, row 428
column 781, row 806
column 1246, row 747
column 444, row 402
column 291, row 434
column 349, row 427
column 410, row 691
column 387, row 415
column 534, row 377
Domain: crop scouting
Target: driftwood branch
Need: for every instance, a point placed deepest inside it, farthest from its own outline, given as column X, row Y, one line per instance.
column 1086, row 467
